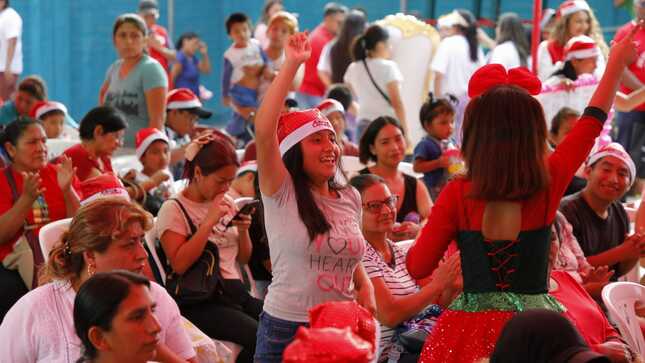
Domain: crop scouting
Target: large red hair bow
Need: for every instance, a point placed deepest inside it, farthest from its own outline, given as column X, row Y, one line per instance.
column 492, row 75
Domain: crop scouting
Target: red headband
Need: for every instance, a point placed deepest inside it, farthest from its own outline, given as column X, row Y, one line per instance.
column 492, row 75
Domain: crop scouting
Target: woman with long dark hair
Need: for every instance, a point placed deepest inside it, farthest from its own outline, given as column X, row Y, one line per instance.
column 457, row 57
column 312, row 223
column 512, row 49
column 336, row 55
column 374, row 79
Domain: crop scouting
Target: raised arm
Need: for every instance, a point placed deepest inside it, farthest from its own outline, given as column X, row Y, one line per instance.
column 271, row 170
column 574, row 149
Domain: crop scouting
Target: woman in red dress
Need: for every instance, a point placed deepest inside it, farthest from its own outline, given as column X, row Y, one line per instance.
column 500, row 212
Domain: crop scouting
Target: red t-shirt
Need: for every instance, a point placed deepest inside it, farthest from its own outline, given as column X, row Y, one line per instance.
column 161, row 35
column 582, row 310
column 84, row 163
column 638, row 67
column 454, row 211
column 53, row 209
column 311, row 83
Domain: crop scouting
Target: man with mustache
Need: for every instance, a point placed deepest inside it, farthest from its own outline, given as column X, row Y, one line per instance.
column 599, row 220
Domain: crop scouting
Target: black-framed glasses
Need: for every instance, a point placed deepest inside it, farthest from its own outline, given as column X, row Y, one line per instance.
column 375, row 206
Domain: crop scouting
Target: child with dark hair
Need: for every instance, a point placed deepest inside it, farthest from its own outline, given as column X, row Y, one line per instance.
column 244, row 65
column 186, row 70
column 343, row 94
column 52, row 116
column 561, row 125
column 437, row 117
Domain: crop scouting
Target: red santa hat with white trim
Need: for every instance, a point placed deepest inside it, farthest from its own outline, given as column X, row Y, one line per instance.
column 185, row 99
column 295, row 126
column 572, row 6
column 250, row 165
column 330, row 105
column 145, row 137
column 42, row 107
column 103, row 186
column 580, row 47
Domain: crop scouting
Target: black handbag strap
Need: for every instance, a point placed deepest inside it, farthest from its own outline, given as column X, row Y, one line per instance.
column 193, row 229
column 387, row 99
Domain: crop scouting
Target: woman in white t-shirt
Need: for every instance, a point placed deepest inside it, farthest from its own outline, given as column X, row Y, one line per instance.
column 374, row 79
column 104, row 235
column 457, row 57
column 203, row 204
column 512, row 49
column 398, row 297
column 312, row 223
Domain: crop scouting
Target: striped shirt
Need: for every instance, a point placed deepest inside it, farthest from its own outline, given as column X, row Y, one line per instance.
column 396, row 278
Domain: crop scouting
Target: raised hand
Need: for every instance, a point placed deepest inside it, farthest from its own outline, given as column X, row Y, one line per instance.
column 65, row 173
column 298, row 48
column 625, row 50
column 32, row 186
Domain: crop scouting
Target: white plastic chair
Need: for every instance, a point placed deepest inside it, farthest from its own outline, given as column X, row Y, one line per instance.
column 55, row 147
column 620, row 299
column 240, row 154
column 407, row 168
column 405, row 245
column 50, row 234
column 150, row 239
column 124, row 163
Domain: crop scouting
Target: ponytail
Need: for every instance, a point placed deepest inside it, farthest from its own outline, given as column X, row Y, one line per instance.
column 470, row 33
column 368, row 41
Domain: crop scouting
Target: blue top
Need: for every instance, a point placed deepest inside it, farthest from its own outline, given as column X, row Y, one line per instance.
column 429, row 149
column 189, row 76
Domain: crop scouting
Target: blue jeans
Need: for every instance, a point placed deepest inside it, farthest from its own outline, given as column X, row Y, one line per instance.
column 273, row 336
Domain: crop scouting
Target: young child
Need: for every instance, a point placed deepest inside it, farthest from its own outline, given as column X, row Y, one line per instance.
column 52, row 115
column 341, row 93
column 183, row 110
column 335, row 112
column 437, row 119
column 244, row 64
column 154, row 179
column 500, row 212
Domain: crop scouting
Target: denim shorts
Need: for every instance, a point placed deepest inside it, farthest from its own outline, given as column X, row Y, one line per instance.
column 273, row 336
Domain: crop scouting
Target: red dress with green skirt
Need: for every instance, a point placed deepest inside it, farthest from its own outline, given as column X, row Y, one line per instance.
column 501, row 278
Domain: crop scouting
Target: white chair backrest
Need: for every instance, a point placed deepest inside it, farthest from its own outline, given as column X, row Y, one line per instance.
column 150, row 239
column 55, row 147
column 178, row 186
column 407, row 168
column 124, row 163
column 240, row 154
column 620, row 299
column 50, row 234
column 405, row 245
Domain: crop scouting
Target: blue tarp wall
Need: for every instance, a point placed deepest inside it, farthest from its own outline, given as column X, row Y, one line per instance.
column 69, row 42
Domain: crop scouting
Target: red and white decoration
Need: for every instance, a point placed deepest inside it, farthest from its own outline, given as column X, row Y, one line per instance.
column 329, row 106
column 580, row 47
column 103, row 186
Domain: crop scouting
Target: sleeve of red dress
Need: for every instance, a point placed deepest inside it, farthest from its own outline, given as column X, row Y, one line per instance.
column 424, row 256
column 572, row 152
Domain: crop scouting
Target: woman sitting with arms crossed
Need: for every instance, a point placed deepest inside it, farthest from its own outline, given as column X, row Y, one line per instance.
column 398, row 298
column 114, row 318
column 104, row 235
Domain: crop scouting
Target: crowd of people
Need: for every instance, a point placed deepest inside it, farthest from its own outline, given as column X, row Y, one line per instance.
column 237, row 233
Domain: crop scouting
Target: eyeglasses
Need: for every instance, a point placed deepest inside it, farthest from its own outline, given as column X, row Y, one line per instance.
column 375, row 206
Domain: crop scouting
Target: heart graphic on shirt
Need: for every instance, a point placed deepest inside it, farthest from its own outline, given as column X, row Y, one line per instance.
column 336, row 245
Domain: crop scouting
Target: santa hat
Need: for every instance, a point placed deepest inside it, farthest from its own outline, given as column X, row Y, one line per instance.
column 103, row 186
column 616, row 150
column 247, row 166
column 295, row 126
column 330, row 105
column 572, row 6
column 42, row 107
column 185, row 99
column 580, row 47
column 145, row 137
